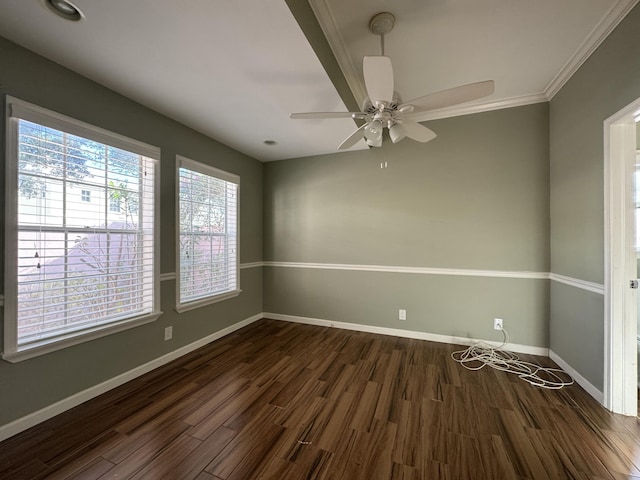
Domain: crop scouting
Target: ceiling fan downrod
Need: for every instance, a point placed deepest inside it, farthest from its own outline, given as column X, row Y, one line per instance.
column 381, row 24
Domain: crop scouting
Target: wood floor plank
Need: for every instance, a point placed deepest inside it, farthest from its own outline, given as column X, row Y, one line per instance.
column 136, row 457
column 464, row 457
column 363, row 417
column 525, row 461
column 493, row 456
column 169, row 463
column 408, row 442
column 335, row 428
column 284, row 401
column 93, row 470
column 242, row 456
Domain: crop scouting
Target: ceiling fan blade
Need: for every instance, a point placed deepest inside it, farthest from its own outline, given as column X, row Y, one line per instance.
column 378, row 78
column 452, row 96
column 319, row 115
column 352, row 139
column 418, row 132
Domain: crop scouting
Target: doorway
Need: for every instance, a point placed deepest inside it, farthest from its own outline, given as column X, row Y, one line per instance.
column 621, row 309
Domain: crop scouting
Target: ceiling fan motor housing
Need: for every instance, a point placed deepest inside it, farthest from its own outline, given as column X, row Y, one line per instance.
column 385, row 115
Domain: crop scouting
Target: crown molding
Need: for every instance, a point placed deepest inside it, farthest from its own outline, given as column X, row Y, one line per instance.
column 599, row 33
column 331, row 32
column 329, row 27
column 459, row 110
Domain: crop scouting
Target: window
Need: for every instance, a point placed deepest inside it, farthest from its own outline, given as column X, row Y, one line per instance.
column 75, row 271
column 208, row 235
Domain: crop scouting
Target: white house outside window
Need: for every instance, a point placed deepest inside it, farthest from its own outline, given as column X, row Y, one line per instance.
column 114, row 204
column 208, row 234
column 75, row 268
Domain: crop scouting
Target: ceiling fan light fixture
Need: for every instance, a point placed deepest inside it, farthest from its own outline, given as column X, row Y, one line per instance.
column 373, row 131
column 377, row 142
column 397, row 132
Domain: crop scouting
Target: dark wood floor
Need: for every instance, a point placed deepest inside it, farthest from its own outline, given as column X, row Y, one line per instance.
column 284, row 401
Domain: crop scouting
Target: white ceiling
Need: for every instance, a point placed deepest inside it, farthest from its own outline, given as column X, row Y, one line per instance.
column 530, row 48
column 235, row 69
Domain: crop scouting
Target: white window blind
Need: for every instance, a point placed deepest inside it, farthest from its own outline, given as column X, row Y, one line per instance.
column 76, row 265
column 208, row 234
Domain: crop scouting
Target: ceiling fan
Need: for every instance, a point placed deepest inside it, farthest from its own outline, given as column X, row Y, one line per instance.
column 383, row 107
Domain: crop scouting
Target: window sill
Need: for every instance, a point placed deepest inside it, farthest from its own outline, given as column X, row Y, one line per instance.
column 51, row 345
column 185, row 307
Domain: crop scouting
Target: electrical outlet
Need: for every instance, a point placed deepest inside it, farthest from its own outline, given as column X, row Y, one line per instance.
column 168, row 333
column 497, row 324
column 402, row 314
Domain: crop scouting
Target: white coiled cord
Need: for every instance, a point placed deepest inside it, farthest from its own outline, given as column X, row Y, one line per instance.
column 480, row 354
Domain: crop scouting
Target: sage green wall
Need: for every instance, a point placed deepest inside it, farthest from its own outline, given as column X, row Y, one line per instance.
column 607, row 82
column 476, row 197
column 33, row 384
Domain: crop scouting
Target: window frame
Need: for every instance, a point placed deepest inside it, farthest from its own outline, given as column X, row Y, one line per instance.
column 16, row 109
column 183, row 162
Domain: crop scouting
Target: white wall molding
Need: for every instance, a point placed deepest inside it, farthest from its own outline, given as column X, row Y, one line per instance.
column 574, row 282
column 251, row 265
column 599, row 33
column 172, row 275
column 579, row 379
column 63, row 405
column 577, row 283
column 413, row 270
column 433, row 337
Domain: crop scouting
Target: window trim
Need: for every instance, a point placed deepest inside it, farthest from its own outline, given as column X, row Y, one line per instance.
column 222, row 175
column 14, row 109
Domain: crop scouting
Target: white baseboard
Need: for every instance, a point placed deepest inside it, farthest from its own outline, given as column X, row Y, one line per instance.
column 50, row 411
column 579, row 379
column 57, row 408
column 433, row 337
